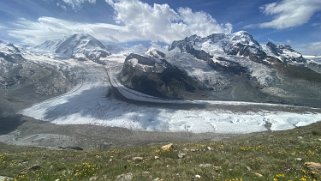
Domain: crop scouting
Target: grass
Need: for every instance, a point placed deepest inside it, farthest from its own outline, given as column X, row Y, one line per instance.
column 261, row 156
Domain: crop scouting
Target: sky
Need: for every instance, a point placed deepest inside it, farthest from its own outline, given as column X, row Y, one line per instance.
column 294, row 22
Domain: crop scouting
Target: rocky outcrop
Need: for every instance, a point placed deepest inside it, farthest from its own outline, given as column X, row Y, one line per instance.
column 153, row 75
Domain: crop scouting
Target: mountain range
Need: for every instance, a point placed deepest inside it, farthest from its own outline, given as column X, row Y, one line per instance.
column 233, row 67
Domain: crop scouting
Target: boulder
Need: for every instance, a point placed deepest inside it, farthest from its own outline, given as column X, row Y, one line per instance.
column 168, row 147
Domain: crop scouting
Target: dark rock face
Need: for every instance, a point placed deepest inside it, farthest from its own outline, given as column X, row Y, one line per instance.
column 286, row 53
column 229, row 67
column 274, row 49
column 14, row 58
column 154, row 76
column 253, row 53
column 181, row 44
column 10, row 53
column 200, row 54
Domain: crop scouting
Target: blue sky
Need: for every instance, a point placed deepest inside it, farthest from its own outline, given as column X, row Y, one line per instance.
column 295, row 22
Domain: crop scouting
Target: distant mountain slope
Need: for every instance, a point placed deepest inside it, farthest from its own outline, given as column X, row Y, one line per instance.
column 27, row 78
column 49, row 45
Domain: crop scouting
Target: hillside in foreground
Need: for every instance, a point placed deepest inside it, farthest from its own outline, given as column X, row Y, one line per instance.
column 284, row 155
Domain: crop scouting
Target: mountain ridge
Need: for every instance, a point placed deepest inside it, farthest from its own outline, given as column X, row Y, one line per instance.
column 236, row 67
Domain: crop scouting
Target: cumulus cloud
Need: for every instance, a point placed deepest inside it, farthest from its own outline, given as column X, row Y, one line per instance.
column 134, row 21
column 76, row 4
column 162, row 23
column 290, row 13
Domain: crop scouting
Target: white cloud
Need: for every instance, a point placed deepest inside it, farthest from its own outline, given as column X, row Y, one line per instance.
column 162, row 23
column 290, row 13
column 76, row 4
column 313, row 48
column 134, row 21
column 47, row 28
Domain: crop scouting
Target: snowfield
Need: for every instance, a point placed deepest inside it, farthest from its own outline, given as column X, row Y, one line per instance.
column 89, row 103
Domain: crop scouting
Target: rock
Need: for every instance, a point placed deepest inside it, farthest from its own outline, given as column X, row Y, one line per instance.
column 168, row 148
column 258, row 174
column 4, row 178
column 197, row 176
column 104, row 177
column 298, row 159
column 125, row 177
column 181, row 155
column 313, row 167
column 194, row 150
column 158, row 179
column 248, row 168
column 156, row 157
column 185, row 149
column 32, row 168
column 145, row 173
column 94, row 178
column 205, row 165
column 138, row 159
column 217, row 168
column 77, row 148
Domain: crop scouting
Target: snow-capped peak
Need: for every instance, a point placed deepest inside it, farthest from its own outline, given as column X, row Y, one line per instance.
column 153, row 52
column 82, row 47
column 283, row 52
column 79, row 41
column 244, row 38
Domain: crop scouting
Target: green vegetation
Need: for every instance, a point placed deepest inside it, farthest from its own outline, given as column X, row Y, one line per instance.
column 261, row 156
